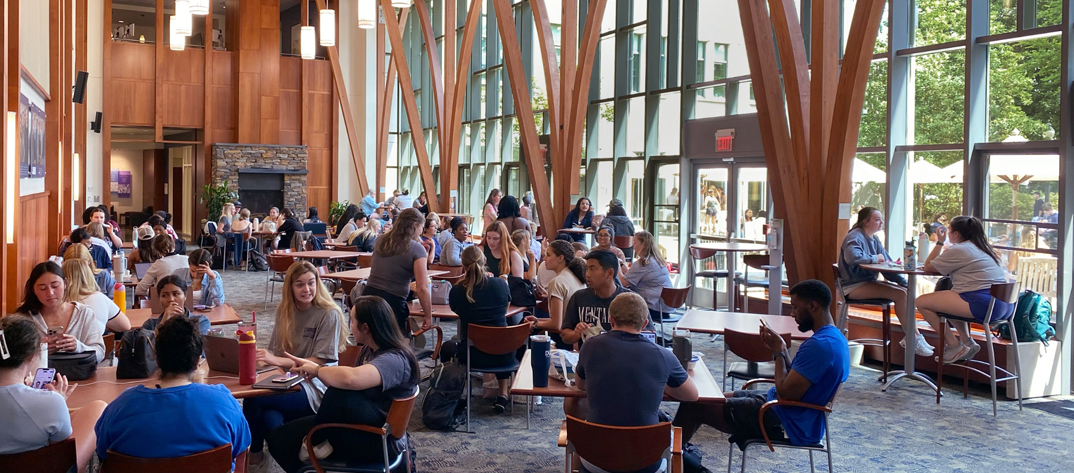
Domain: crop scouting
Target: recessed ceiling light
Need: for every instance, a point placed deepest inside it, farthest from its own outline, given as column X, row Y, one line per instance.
column 121, row 21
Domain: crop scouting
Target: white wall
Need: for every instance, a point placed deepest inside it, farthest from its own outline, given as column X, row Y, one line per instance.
column 357, row 53
column 34, row 40
column 129, row 160
column 94, row 91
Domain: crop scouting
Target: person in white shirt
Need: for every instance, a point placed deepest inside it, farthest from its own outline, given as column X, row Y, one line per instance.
column 71, row 327
column 570, row 277
column 82, row 287
column 160, row 268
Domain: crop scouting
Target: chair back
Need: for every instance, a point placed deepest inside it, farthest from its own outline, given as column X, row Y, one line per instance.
column 755, row 261
column 109, row 344
column 317, row 229
column 347, row 285
column 347, row 248
column 675, row 297
column 1005, row 292
column 498, row 340
column 701, row 253
column 217, row 459
column 365, row 261
column 56, row 458
column 246, row 237
column 399, row 415
column 603, row 445
column 452, row 270
column 349, row 357
column 838, row 279
column 279, row 262
column 623, row 242
column 750, row 346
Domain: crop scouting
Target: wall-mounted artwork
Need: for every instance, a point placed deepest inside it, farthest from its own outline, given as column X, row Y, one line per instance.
column 31, row 140
column 121, row 184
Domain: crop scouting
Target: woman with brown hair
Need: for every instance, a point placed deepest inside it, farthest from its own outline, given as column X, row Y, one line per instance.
column 648, row 274
column 491, row 212
column 570, row 277
column 398, row 259
column 165, row 266
column 501, row 256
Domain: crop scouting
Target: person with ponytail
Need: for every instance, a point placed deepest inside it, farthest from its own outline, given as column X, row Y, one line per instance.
column 570, row 277
column 862, row 246
column 481, row 300
column 398, row 259
column 974, row 266
column 501, row 255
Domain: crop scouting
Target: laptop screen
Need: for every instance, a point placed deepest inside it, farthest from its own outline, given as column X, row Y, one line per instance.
column 140, row 269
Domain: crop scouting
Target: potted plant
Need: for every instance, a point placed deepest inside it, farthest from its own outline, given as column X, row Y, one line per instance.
column 336, row 209
column 214, row 197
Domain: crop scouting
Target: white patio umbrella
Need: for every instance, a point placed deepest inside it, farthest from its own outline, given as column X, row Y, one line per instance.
column 924, row 172
column 865, row 172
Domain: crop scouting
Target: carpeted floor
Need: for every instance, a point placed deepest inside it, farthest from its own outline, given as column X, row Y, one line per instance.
column 902, row 430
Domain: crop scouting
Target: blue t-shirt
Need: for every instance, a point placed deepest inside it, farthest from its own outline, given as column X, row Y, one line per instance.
column 172, row 422
column 824, row 360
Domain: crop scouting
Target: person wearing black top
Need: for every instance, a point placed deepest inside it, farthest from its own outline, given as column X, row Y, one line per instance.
column 386, row 371
column 581, row 216
column 481, row 300
column 288, row 229
column 311, row 216
column 422, row 204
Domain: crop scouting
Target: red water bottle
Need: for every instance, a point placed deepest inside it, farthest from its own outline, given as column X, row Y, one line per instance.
column 247, row 335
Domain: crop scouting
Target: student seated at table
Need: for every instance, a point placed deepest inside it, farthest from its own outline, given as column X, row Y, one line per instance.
column 625, row 375
column 451, row 253
column 96, row 234
column 240, row 226
column 522, row 239
column 398, row 259
column 387, row 370
column 365, row 238
column 587, row 310
column 308, row 325
column 862, row 246
column 172, row 294
column 580, row 249
column 81, row 287
column 77, row 331
column 311, row 216
column 165, row 266
column 604, row 238
column 106, row 283
column 501, row 255
column 99, row 214
column 973, row 267
column 34, row 418
column 347, row 223
column 820, row 366
column 481, row 300
column 206, row 286
column 580, row 217
column 175, row 417
column 428, row 237
column 569, row 278
column 288, row 228
column 648, row 274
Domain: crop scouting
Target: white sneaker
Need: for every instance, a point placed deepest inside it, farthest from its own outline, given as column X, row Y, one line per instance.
column 970, row 352
column 921, row 348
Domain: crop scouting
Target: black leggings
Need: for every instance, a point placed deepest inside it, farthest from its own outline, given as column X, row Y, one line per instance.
column 398, row 305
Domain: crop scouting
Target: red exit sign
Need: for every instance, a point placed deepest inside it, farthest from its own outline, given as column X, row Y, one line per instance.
column 725, row 140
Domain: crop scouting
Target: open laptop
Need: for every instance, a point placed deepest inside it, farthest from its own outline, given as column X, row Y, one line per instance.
column 140, row 269
column 222, row 354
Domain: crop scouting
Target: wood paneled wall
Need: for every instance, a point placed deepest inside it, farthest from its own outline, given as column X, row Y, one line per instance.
column 131, row 89
column 34, row 241
column 183, row 85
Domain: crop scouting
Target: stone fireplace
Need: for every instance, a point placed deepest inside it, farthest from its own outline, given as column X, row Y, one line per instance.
column 263, row 175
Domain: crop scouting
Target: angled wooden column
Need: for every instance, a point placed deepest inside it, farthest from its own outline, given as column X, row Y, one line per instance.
column 426, row 24
column 449, row 171
column 574, row 120
column 788, row 32
column 453, row 116
column 9, row 48
column 824, row 68
column 384, row 105
column 551, row 72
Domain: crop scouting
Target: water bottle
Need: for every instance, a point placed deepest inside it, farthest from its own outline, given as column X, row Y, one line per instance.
column 540, row 357
column 247, row 334
column 909, row 262
column 42, row 361
column 119, row 262
column 922, row 248
column 119, row 296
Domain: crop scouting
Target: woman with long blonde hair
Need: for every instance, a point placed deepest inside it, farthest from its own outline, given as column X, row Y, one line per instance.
column 398, row 259
column 309, row 325
column 648, row 274
column 366, row 237
column 82, row 287
column 105, row 282
column 501, row 255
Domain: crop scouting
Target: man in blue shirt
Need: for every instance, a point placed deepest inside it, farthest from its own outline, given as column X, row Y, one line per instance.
column 369, row 204
column 821, row 365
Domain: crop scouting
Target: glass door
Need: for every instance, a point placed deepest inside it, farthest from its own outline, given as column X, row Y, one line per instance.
column 665, row 194
column 710, row 210
column 752, row 202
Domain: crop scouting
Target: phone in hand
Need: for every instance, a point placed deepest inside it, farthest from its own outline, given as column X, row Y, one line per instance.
column 55, row 331
column 765, row 323
column 287, row 378
column 43, row 378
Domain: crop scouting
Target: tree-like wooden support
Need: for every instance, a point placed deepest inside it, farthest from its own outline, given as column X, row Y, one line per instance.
column 809, row 139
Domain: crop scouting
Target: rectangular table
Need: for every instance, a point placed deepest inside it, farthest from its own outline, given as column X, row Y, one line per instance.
column 707, row 389
column 105, row 387
column 729, row 248
column 363, row 273
column 327, row 254
column 443, row 311
column 715, row 322
column 222, row 314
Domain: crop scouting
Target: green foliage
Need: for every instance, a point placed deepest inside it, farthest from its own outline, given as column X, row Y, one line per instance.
column 336, row 209
column 214, row 197
column 1000, row 200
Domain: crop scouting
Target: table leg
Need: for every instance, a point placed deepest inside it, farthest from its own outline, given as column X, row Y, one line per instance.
column 910, row 335
column 730, row 282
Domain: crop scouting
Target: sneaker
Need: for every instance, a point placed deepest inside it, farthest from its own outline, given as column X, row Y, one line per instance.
column 921, row 348
column 952, row 355
column 258, row 467
column 501, row 404
column 970, row 352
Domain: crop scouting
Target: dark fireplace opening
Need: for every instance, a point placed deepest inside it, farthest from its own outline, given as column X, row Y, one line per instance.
column 259, row 192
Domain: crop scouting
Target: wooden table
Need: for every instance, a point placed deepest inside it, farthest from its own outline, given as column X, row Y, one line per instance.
column 729, row 248
column 910, row 333
column 363, row 273
column 443, row 311
column 327, row 254
column 127, row 245
column 716, row 322
column 222, row 314
column 105, row 387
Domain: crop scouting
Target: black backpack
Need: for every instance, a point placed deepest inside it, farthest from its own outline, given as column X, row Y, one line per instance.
column 136, row 359
column 257, row 262
column 441, row 409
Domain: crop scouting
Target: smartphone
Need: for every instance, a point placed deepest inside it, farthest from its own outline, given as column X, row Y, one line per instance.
column 43, row 378
column 287, row 378
column 765, row 323
column 55, row 330
column 200, row 307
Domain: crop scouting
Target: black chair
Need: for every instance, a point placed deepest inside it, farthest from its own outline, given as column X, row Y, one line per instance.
column 844, row 319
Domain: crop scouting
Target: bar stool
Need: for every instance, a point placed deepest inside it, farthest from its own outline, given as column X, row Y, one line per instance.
column 1006, row 292
column 758, row 262
column 701, row 254
column 844, row 319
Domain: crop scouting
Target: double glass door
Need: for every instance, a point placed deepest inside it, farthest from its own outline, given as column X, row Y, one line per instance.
column 733, row 201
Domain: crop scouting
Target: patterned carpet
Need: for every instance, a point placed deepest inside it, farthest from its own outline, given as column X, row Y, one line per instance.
column 902, row 430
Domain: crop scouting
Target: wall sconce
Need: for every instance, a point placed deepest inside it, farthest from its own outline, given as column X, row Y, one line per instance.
column 76, row 188
column 328, row 28
column 141, row 38
column 10, row 172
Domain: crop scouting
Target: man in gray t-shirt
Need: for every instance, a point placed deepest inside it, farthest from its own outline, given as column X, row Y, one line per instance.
column 587, row 311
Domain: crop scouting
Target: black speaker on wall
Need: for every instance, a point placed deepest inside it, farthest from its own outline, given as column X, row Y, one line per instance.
column 80, row 87
column 95, row 125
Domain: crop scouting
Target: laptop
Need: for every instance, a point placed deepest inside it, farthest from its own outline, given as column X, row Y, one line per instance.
column 157, row 308
column 222, row 354
column 140, row 269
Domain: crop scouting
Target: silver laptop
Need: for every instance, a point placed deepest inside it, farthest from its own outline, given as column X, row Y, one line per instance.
column 140, row 269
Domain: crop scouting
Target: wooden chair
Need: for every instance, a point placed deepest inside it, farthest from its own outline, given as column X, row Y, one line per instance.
column 394, row 426
column 673, row 297
column 217, row 459
column 349, row 357
column 417, row 336
column 109, row 344
column 625, row 243
column 278, row 264
column 758, row 262
column 493, row 341
column 1006, row 292
column 453, row 271
column 365, row 261
column 826, row 447
column 347, row 286
column 603, row 445
column 349, row 263
column 843, row 319
column 701, row 258
column 56, row 458
column 750, row 347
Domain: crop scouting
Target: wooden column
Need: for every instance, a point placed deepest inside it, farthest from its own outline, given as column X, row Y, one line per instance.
column 81, row 126
column 458, row 99
column 54, row 116
column 259, row 71
column 106, row 125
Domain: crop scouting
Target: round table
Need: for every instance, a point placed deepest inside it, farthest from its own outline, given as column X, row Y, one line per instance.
column 730, row 247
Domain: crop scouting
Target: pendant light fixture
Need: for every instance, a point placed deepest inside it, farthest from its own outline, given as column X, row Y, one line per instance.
column 199, row 7
column 182, row 19
column 367, row 14
column 308, row 42
column 177, row 41
column 328, row 27
column 401, row 3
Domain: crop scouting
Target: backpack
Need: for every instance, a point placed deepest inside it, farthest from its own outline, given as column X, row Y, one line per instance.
column 1032, row 319
column 257, row 262
column 441, row 409
column 135, row 358
column 522, row 292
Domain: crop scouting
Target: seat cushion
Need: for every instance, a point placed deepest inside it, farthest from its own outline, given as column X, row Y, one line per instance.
column 396, row 465
column 711, row 273
column 743, row 370
column 751, row 282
